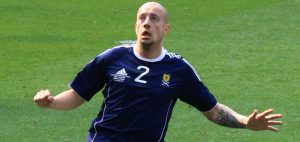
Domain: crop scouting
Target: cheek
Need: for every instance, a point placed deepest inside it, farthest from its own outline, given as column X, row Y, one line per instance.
column 137, row 28
column 161, row 31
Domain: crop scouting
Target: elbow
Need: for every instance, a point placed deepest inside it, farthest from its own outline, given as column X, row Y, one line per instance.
column 212, row 114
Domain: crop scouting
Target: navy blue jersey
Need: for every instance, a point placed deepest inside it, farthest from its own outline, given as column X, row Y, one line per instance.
column 139, row 94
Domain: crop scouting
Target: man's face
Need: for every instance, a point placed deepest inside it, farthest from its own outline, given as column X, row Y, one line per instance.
column 151, row 24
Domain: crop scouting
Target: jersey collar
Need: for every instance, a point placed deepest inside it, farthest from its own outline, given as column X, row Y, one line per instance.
column 159, row 58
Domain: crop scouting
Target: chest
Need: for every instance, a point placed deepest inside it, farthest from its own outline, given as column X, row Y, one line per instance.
column 161, row 78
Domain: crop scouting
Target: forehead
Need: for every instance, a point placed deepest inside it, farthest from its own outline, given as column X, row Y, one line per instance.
column 152, row 9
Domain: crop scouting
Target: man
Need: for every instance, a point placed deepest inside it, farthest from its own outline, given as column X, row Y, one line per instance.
column 141, row 84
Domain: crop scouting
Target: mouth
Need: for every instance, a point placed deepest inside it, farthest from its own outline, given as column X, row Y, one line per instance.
column 146, row 34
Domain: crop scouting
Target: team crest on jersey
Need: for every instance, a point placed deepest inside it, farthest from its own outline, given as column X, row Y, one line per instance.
column 166, row 79
column 120, row 76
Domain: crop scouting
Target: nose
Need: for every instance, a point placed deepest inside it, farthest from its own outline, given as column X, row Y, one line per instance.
column 146, row 23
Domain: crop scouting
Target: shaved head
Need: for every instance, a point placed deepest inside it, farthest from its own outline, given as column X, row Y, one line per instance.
column 151, row 27
column 157, row 6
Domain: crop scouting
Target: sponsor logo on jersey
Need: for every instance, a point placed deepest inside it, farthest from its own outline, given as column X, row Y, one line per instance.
column 166, row 79
column 120, row 76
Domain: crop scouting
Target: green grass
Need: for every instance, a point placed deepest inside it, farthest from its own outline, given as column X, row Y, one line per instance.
column 247, row 53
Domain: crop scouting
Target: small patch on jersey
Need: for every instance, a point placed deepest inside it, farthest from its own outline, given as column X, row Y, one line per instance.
column 120, row 76
column 173, row 55
column 166, row 79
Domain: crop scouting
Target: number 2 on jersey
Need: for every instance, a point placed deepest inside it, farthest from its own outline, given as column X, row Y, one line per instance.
column 146, row 70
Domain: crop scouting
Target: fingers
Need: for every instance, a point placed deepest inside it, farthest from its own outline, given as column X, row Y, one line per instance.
column 41, row 95
column 274, row 116
column 268, row 116
column 254, row 114
column 272, row 129
column 50, row 98
column 43, row 98
column 275, row 123
column 265, row 113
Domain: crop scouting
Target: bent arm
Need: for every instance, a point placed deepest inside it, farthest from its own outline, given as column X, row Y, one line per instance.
column 64, row 101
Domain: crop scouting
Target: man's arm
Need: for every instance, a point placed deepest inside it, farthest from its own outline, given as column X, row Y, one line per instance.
column 64, row 101
column 224, row 116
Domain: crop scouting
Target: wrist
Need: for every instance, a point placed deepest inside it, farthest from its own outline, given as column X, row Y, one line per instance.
column 245, row 122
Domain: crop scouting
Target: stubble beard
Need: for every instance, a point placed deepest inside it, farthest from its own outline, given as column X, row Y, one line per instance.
column 146, row 45
column 149, row 45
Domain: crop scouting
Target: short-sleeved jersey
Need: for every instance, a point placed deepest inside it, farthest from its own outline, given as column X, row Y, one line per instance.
column 139, row 93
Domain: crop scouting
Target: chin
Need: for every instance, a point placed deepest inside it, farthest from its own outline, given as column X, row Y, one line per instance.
column 146, row 43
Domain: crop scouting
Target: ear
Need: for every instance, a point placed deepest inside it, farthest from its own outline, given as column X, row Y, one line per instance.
column 167, row 28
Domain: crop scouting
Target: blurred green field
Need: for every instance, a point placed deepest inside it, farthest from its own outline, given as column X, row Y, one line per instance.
column 246, row 52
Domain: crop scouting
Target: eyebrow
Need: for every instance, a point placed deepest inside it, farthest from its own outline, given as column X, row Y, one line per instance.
column 151, row 14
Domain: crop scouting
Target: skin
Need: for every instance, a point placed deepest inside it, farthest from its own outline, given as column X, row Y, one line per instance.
column 64, row 101
column 151, row 27
column 225, row 116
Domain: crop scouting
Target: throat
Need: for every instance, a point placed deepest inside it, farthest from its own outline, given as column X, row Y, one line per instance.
column 149, row 51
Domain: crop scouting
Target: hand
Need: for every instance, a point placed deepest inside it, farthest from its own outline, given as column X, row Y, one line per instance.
column 43, row 98
column 263, row 121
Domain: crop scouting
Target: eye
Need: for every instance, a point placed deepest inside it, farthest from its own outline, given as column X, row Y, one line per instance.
column 154, row 19
column 142, row 18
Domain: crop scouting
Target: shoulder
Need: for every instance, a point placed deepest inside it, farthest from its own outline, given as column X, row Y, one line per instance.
column 117, row 50
column 173, row 56
column 177, row 58
column 112, row 53
column 185, row 67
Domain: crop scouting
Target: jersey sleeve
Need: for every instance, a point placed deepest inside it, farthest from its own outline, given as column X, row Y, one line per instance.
column 91, row 79
column 195, row 93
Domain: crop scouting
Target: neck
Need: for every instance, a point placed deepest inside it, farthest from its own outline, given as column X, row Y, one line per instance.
column 149, row 52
